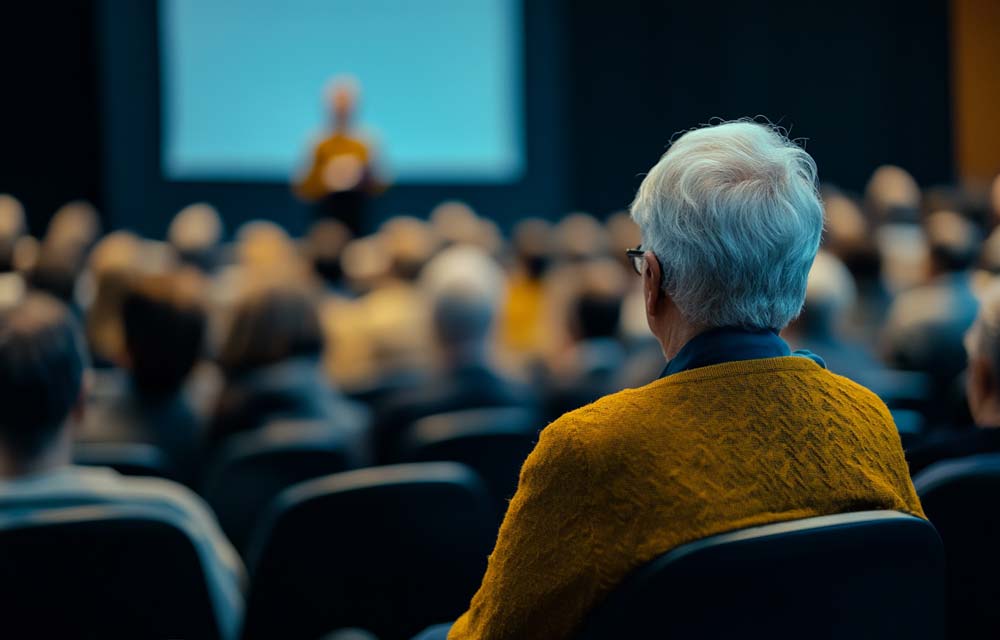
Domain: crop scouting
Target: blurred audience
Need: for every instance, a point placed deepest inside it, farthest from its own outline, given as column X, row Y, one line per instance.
column 925, row 325
column 464, row 285
column 271, row 360
column 164, row 326
column 43, row 364
column 982, row 390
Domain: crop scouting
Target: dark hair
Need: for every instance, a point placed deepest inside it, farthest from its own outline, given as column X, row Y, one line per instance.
column 271, row 324
column 42, row 363
column 164, row 324
column 597, row 315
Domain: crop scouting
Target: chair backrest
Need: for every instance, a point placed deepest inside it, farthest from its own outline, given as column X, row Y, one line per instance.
column 104, row 571
column 875, row 574
column 253, row 468
column 959, row 497
column 127, row 458
column 388, row 549
column 492, row 441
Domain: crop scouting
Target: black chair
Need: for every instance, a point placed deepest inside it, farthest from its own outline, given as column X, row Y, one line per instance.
column 874, row 574
column 959, row 496
column 494, row 442
column 253, row 468
column 388, row 549
column 106, row 571
column 127, row 458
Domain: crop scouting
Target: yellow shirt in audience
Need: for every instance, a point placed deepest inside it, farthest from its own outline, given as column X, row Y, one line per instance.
column 614, row 484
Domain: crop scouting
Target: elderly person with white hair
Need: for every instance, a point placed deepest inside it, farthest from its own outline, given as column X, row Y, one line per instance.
column 738, row 431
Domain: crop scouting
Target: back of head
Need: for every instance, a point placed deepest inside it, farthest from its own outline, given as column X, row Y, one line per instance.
column 465, row 284
column 164, row 324
column 830, row 293
column 598, row 304
column 195, row 232
column 892, row 195
column 11, row 229
column 954, row 241
column 734, row 216
column 271, row 323
column 42, row 364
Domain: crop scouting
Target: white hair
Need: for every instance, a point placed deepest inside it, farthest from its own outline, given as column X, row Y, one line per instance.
column 733, row 214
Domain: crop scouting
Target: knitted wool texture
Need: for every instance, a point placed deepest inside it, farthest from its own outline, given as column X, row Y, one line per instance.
column 614, row 484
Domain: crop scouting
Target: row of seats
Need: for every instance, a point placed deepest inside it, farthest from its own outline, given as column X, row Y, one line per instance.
column 492, row 443
column 394, row 549
column 253, row 468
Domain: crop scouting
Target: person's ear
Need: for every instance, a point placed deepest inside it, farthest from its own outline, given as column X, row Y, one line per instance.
column 652, row 279
column 980, row 386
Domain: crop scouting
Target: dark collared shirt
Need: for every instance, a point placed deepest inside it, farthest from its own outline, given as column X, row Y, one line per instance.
column 729, row 344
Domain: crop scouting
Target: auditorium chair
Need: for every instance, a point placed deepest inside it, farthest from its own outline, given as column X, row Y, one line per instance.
column 873, row 574
column 960, row 497
column 127, row 458
column 252, row 468
column 388, row 549
column 492, row 441
column 105, row 571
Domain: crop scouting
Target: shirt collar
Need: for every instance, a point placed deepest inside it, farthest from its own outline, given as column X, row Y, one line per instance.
column 729, row 344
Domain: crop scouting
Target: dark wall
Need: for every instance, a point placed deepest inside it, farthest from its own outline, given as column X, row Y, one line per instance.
column 49, row 124
column 864, row 82
column 608, row 84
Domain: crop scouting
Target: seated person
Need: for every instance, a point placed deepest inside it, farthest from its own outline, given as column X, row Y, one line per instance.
column 982, row 390
column 925, row 325
column 738, row 431
column 591, row 367
column 42, row 369
column 271, row 360
column 462, row 318
column 163, row 322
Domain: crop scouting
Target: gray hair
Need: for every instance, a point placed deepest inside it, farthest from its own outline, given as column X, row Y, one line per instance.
column 733, row 214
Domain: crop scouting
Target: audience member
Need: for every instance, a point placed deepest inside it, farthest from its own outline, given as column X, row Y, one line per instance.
column 830, row 295
column 738, row 431
column 590, row 367
column 925, row 325
column 271, row 360
column 43, row 364
column 195, row 233
column 464, row 284
column 164, row 322
column 982, row 390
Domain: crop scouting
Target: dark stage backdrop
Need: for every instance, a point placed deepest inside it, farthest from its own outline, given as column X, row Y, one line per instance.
column 607, row 85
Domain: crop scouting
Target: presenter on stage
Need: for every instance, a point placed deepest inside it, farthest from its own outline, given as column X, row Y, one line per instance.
column 341, row 177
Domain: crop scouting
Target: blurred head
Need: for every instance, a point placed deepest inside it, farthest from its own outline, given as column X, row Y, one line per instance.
column 892, row 195
column 410, row 244
column 953, row 240
column 42, row 365
column 465, row 285
column 342, row 100
column 195, row 232
column 731, row 221
column 324, row 245
column 830, row 293
column 11, row 229
column 596, row 311
column 164, row 324
column 271, row 323
column 982, row 343
column 533, row 246
column 579, row 236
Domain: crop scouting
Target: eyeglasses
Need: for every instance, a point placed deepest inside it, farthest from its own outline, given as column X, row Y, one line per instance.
column 638, row 258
